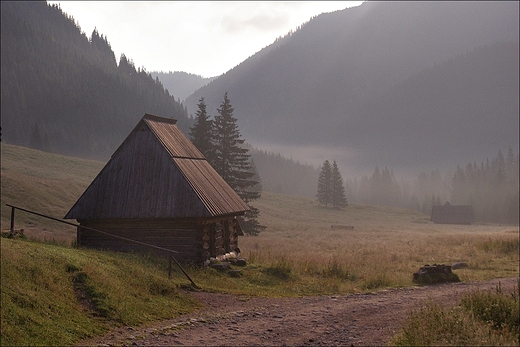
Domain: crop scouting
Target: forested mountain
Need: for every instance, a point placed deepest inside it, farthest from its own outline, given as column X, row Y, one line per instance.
column 181, row 84
column 460, row 110
column 424, row 84
column 386, row 85
column 64, row 92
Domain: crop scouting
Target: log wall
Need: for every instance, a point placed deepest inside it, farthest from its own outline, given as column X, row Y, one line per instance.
column 181, row 236
column 195, row 241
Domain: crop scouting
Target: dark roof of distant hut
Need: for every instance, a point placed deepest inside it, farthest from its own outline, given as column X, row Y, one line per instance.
column 157, row 173
column 453, row 214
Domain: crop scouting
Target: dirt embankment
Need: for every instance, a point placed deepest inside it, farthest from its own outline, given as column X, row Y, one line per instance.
column 368, row 319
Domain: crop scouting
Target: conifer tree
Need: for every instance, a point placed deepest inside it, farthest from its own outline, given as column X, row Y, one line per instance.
column 201, row 133
column 249, row 221
column 324, row 193
column 232, row 162
column 338, row 190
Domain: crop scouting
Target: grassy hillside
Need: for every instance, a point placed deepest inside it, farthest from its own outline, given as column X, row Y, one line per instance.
column 45, row 183
column 299, row 230
column 55, row 294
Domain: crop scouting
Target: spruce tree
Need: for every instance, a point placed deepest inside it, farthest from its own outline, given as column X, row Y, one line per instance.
column 338, row 190
column 232, row 162
column 324, row 193
column 201, row 133
column 249, row 221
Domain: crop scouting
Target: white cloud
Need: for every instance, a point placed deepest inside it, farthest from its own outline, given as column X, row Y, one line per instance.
column 202, row 37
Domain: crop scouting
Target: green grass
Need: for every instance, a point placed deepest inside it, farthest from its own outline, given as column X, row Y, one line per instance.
column 56, row 295
column 483, row 318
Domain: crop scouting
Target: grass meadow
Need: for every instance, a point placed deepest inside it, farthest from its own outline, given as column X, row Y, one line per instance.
column 306, row 249
column 383, row 250
column 308, row 245
column 53, row 295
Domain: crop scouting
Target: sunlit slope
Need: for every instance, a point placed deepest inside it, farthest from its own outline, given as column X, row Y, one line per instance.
column 42, row 182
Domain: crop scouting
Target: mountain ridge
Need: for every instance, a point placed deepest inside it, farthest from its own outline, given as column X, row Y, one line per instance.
column 339, row 61
column 181, row 84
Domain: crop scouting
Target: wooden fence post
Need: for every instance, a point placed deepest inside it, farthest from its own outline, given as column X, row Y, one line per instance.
column 169, row 265
column 12, row 220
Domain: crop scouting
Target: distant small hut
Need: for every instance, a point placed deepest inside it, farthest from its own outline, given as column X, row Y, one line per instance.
column 453, row 214
column 159, row 189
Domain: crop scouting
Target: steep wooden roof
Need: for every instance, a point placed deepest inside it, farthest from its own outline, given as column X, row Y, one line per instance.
column 157, row 173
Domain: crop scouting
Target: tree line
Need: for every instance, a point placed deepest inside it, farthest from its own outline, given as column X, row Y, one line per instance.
column 491, row 187
column 220, row 141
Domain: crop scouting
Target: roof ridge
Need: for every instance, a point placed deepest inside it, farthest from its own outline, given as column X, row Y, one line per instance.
column 159, row 119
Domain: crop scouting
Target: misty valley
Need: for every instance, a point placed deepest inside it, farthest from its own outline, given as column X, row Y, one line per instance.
column 414, row 127
column 325, row 165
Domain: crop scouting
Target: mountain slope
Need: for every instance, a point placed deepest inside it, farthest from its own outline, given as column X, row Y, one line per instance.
column 337, row 63
column 64, row 92
column 463, row 108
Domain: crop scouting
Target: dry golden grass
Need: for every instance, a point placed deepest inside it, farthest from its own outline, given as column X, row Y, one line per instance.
column 385, row 247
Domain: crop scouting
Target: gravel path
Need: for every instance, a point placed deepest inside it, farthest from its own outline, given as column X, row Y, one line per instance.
column 368, row 319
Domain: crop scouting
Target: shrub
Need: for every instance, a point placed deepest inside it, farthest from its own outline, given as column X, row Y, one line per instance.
column 497, row 309
column 335, row 269
column 281, row 270
column 481, row 319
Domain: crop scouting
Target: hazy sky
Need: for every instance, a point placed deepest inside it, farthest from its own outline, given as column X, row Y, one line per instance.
column 206, row 38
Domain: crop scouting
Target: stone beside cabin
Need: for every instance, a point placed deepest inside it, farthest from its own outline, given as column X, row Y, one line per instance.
column 159, row 189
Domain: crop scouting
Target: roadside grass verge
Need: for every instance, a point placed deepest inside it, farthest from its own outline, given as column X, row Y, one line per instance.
column 483, row 318
column 56, row 295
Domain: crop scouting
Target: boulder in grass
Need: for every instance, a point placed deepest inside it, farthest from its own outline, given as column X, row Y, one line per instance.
column 436, row 273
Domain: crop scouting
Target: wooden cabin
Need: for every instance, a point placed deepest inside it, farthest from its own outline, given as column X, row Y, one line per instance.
column 453, row 214
column 158, row 188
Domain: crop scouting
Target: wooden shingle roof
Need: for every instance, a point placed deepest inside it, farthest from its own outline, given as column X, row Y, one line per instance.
column 157, row 173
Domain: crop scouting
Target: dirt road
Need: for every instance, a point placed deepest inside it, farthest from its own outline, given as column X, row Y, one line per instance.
column 369, row 319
